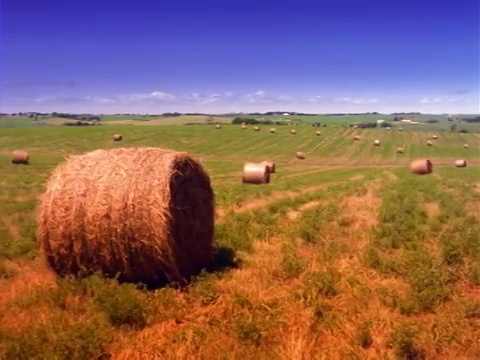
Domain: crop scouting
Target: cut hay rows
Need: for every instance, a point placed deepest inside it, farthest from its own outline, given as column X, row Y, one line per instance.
column 143, row 214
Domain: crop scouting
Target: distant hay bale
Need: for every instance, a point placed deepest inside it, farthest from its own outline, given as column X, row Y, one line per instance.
column 254, row 173
column 20, row 157
column 400, row 129
column 421, row 167
column 460, row 163
column 388, row 128
column 293, row 132
column 272, row 130
column 435, row 137
column 145, row 215
column 244, row 127
column 270, row 166
column 256, row 128
column 356, row 137
column 300, row 155
column 355, row 126
column 376, row 142
column 218, row 126
column 400, row 150
column 465, row 146
column 429, row 143
column 117, row 137
column 318, row 133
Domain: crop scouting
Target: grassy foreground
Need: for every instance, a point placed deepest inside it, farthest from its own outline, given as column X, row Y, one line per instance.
column 344, row 255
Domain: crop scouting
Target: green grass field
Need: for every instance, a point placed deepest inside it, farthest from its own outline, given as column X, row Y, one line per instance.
column 344, row 255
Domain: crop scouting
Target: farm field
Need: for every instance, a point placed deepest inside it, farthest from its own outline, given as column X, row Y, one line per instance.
column 345, row 254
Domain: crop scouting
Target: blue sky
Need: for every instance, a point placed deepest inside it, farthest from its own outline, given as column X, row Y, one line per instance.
column 240, row 55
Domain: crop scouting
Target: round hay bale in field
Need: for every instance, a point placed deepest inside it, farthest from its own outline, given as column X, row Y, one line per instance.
column 388, row 128
column 256, row 128
column 429, row 143
column 145, row 215
column 400, row 150
column 300, row 155
column 355, row 126
column 461, row 163
column 435, row 137
column 421, row 167
column 272, row 130
column 356, row 137
column 465, row 146
column 376, row 142
column 293, row 132
column 218, row 126
column 244, row 127
column 400, row 129
column 270, row 166
column 254, row 173
column 117, row 137
column 20, row 157
column 318, row 133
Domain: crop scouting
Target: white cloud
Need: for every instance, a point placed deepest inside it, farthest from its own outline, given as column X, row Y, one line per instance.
column 224, row 102
column 430, row 100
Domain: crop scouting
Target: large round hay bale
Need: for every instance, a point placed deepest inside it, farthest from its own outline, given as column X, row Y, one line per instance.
column 435, row 137
column 272, row 130
column 254, row 173
column 318, row 133
column 465, row 146
column 429, row 143
column 293, row 132
column 300, row 155
column 20, row 157
column 356, row 137
column 270, row 166
column 244, row 127
column 376, row 143
column 388, row 128
column 400, row 129
column 421, row 167
column 117, row 137
column 218, row 126
column 145, row 215
column 461, row 163
column 256, row 128
column 400, row 150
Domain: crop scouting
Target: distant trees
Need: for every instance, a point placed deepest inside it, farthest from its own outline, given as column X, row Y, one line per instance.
column 475, row 119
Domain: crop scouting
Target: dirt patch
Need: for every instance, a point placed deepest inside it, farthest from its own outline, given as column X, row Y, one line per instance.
column 362, row 210
column 255, row 204
column 432, row 209
column 295, row 214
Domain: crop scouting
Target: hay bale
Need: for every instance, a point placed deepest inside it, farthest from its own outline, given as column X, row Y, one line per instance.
column 244, row 127
column 272, row 130
column 20, row 157
column 293, row 132
column 270, row 166
column 218, row 126
column 117, row 137
column 435, row 137
column 461, row 163
column 388, row 128
column 465, row 146
column 318, row 133
column 356, row 137
column 254, row 173
column 256, row 128
column 429, row 143
column 421, row 167
column 400, row 129
column 400, row 150
column 376, row 142
column 146, row 215
column 300, row 155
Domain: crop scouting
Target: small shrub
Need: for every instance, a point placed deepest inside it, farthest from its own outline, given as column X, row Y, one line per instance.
column 403, row 341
